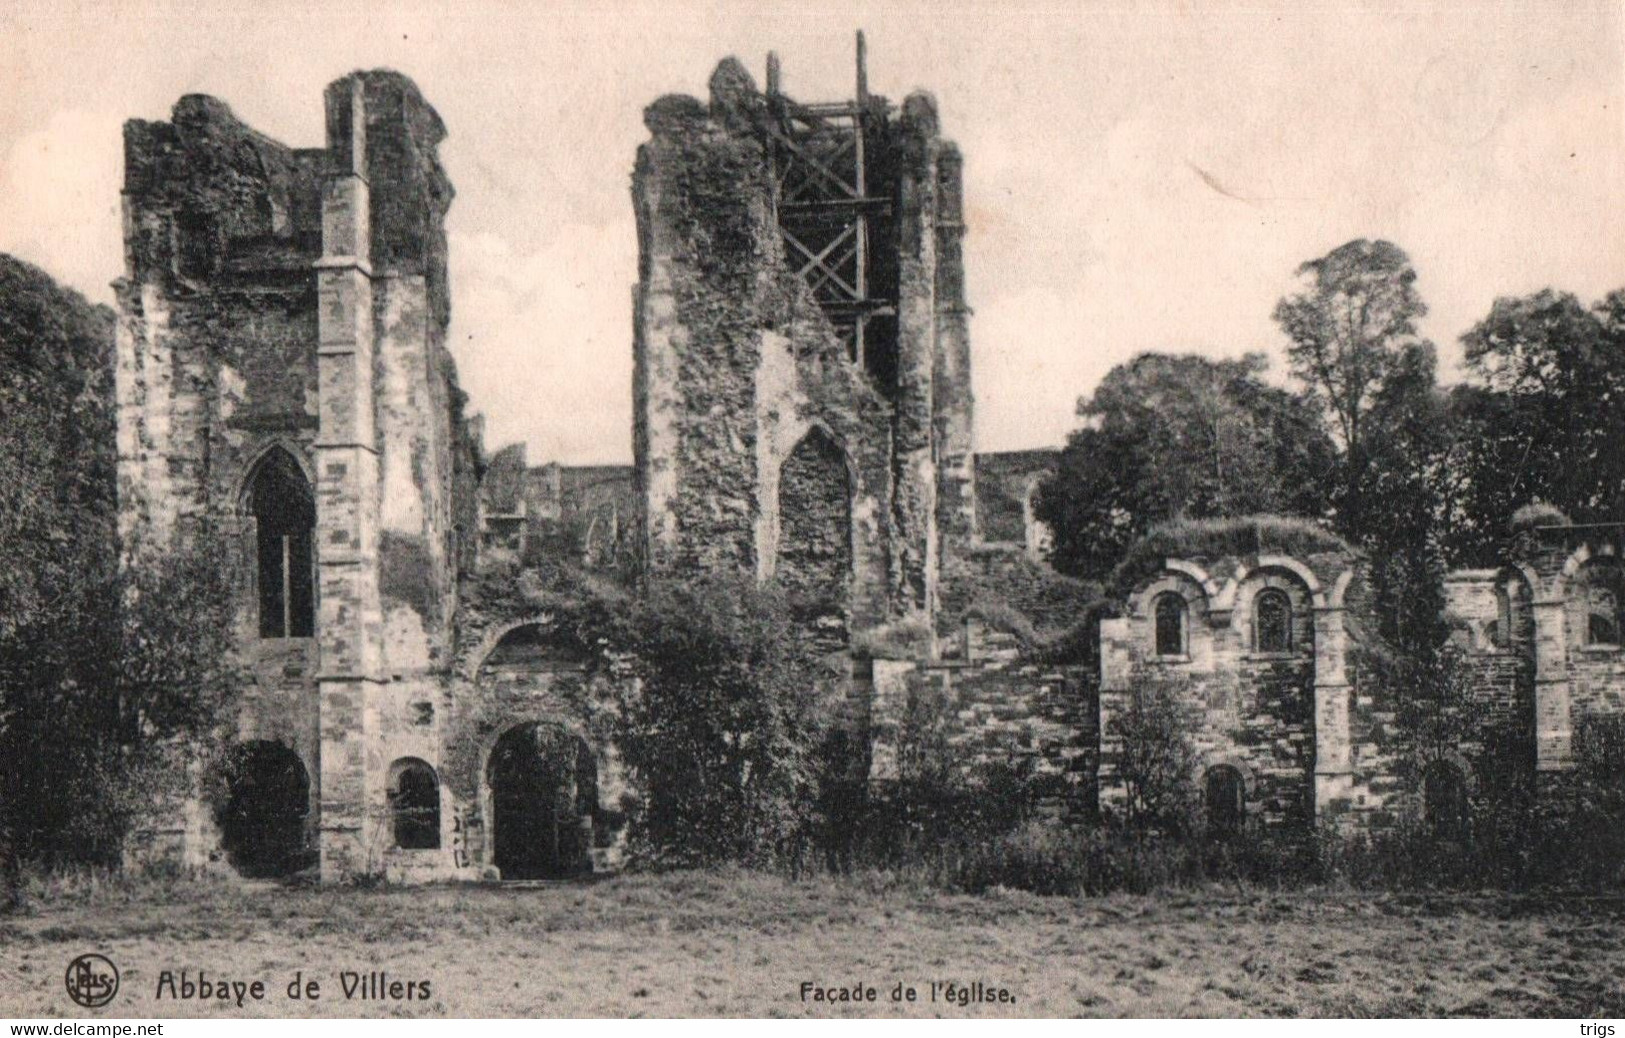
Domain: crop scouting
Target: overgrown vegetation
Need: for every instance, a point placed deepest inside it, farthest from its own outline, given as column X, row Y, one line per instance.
column 724, row 729
column 1238, row 536
column 110, row 681
column 1180, row 437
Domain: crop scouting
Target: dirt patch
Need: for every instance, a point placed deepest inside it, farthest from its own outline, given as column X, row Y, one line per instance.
column 742, row 945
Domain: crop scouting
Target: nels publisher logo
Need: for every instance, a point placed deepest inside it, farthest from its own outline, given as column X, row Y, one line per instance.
column 92, row 980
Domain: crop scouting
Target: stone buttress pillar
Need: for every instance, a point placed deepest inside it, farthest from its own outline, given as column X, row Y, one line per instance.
column 1554, row 733
column 914, row 472
column 951, row 381
column 1334, row 764
column 349, row 624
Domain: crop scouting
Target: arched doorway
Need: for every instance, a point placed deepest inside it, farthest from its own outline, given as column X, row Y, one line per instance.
column 1225, row 794
column 262, row 824
column 544, row 793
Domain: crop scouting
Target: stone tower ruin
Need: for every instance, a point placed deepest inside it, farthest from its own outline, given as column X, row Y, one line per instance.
column 802, row 401
column 283, row 385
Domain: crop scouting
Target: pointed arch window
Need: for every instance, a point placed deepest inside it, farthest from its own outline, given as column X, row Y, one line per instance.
column 284, row 513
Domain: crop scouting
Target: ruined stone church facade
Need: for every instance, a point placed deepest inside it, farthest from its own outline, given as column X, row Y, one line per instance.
column 285, row 395
column 802, row 412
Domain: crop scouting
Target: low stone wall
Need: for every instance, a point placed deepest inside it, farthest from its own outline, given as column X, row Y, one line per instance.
column 1038, row 722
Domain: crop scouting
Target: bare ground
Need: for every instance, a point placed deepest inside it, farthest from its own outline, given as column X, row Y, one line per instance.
column 704, row 944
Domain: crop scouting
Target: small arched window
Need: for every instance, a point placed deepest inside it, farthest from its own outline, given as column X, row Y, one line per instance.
column 1500, row 629
column 1170, row 624
column 1225, row 796
column 414, row 805
column 1444, row 800
column 1511, row 623
column 284, row 513
column 1602, row 609
column 1272, row 621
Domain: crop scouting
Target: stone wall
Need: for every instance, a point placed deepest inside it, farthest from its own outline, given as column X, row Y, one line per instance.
column 582, row 514
column 1002, row 711
column 1282, row 715
column 1005, row 484
column 1578, row 671
column 294, row 301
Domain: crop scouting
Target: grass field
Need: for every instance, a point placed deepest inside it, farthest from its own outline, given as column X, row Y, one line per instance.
column 742, row 945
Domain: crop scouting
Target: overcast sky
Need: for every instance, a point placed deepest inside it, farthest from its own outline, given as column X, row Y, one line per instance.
column 1138, row 177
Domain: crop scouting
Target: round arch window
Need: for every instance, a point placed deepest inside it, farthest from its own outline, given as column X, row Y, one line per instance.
column 1171, row 623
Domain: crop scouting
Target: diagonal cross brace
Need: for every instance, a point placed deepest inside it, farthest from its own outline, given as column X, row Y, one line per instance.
column 815, row 163
column 816, row 260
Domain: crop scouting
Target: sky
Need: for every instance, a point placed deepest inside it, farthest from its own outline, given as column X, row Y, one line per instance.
column 1142, row 176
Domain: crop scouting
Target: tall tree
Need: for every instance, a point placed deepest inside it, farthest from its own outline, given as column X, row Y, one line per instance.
column 1408, row 449
column 1546, row 408
column 1168, row 437
column 103, row 673
column 1349, row 328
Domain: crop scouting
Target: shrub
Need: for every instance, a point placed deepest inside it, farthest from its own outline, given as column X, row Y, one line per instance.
column 1157, row 759
column 724, row 728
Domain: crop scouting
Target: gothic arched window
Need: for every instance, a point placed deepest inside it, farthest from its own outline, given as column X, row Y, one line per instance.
column 1170, row 621
column 1272, row 621
column 814, row 558
column 285, row 520
column 414, row 805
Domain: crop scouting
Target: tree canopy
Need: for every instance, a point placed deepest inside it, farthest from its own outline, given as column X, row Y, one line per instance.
column 1541, row 417
column 1180, row 437
column 1349, row 330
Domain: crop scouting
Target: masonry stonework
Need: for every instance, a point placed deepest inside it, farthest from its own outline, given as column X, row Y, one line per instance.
column 802, row 413
column 288, row 308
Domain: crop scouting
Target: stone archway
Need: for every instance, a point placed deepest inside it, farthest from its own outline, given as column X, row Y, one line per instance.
column 262, row 822
column 543, row 780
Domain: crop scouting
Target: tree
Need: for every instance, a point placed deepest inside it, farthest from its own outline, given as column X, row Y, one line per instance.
column 1157, row 758
column 105, row 674
column 1168, row 437
column 1542, row 416
column 1349, row 330
column 1407, row 469
column 724, row 729
column 56, row 517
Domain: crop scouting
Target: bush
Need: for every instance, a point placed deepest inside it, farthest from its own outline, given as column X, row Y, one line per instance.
column 724, row 730
column 1157, row 759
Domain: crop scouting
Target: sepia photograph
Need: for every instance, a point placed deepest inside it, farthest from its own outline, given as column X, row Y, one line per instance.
column 949, row 510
